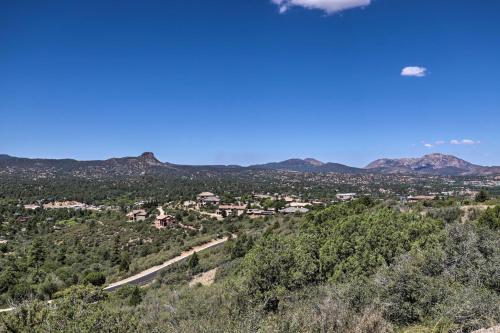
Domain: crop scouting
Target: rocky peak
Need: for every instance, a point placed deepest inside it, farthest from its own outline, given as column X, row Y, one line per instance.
column 441, row 161
column 149, row 158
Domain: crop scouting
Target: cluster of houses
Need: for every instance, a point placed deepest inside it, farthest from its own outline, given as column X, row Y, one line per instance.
column 161, row 221
column 68, row 204
column 208, row 199
column 210, row 204
column 293, row 205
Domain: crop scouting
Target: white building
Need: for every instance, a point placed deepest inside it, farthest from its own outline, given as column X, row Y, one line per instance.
column 345, row 196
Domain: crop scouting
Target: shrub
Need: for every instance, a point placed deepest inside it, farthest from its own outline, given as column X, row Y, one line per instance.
column 95, row 278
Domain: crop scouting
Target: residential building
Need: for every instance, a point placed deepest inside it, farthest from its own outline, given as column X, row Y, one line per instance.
column 163, row 221
column 207, row 198
column 299, row 204
column 345, row 196
column 231, row 209
column 293, row 210
column 417, row 198
column 137, row 215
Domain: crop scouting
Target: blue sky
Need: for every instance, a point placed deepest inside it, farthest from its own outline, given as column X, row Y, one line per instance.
column 250, row 81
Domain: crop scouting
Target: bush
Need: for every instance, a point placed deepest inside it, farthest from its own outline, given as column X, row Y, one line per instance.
column 491, row 218
column 95, row 278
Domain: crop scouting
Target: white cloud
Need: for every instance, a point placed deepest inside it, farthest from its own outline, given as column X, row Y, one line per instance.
column 464, row 142
column 427, row 144
column 329, row 6
column 414, row 71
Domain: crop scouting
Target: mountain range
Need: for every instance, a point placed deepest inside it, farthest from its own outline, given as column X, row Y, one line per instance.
column 147, row 163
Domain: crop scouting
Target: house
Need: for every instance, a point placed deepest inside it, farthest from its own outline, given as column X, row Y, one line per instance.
column 299, row 204
column 210, row 201
column 163, row 221
column 230, row 209
column 203, row 195
column 189, row 203
column 256, row 213
column 137, row 215
column 207, row 198
column 293, row 210
column 345, row 196
column 31, row 206
column 418, row 198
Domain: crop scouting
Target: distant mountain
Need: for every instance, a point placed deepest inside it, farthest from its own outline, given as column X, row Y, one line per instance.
column 308, row 165
column 148, row 164
column 145, row 163
column 434, row 164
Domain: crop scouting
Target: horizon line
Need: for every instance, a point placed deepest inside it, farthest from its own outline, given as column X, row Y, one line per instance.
column 235, row 164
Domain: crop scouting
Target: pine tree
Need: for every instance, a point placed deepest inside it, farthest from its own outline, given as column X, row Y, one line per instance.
column 193, row 261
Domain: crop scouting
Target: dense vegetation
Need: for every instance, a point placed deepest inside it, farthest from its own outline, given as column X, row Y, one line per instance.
column 355, row 267
column 50, row 250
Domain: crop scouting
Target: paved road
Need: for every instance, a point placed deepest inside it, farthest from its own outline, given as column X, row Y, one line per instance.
column 6, row 310
column 150, row 273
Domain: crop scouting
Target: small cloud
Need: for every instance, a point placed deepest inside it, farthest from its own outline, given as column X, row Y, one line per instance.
column 464, row 142
column 452, row 142
column 329, row 6
column 414, row 71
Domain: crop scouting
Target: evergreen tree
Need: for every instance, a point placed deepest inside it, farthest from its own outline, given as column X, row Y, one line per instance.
column 482, row 196
column 135, row 297
column 193, row 261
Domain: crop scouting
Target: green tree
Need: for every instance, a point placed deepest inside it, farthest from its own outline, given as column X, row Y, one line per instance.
column 491, row 218
column 36, row 253
column 135, row 297
column 482, row 196
column 95, row 278
column 125, row 261
column 193, row 261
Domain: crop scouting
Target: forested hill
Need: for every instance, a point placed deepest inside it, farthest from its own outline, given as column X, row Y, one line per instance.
column 145, row 164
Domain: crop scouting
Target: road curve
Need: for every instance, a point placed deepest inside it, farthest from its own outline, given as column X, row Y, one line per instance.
column 150, row 273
